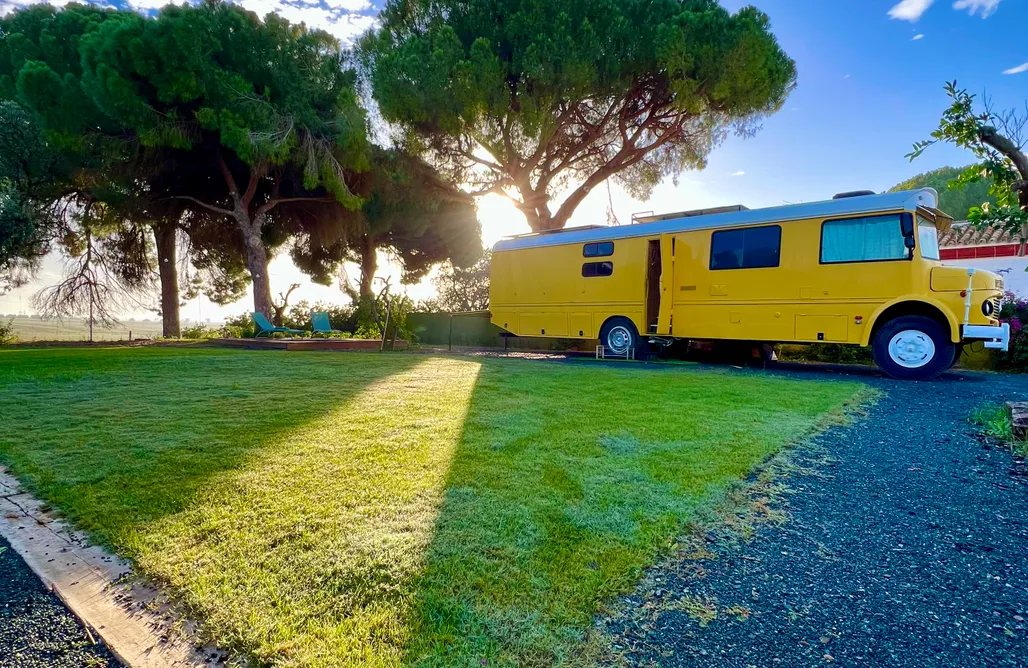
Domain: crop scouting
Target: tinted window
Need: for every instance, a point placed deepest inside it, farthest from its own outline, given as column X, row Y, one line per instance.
column 603, row 249
column 866, row 239
column 752, row 248
column 594, row 269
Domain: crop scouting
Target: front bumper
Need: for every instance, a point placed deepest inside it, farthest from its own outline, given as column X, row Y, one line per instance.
column 996, row 337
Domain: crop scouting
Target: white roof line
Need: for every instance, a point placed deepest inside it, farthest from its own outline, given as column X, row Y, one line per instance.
column 907, row 200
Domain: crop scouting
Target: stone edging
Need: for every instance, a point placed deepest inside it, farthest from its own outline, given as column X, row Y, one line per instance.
column 131, row 618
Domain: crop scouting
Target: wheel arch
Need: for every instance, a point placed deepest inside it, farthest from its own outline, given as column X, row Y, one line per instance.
column 905, row 306
column 618, row 316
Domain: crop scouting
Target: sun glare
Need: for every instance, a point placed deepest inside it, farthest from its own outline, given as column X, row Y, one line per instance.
column 499, row 219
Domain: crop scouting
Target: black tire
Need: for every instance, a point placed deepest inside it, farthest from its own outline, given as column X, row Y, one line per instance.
column 958, row 352
column 620, row 333
column 913, row 347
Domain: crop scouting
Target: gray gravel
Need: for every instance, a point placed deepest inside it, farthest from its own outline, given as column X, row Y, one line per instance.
column 35, row 627
column 907, row 549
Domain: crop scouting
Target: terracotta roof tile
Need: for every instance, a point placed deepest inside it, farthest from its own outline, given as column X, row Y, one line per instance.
column 966, row 234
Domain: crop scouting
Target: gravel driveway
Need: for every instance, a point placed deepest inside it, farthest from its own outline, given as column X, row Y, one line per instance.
column 908, row 548
column 35, row 627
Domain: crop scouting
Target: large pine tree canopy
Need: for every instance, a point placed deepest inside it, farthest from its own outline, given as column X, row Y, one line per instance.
column 530, row 97
column 204, row 116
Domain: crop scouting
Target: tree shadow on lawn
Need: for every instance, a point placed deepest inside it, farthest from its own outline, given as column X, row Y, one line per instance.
column 119, row 439
column 566, row 484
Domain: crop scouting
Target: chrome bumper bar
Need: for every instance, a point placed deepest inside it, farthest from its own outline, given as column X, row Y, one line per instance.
column 995, row 337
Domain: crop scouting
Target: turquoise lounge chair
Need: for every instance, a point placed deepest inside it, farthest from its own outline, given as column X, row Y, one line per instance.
column 321, row 325
column 265, row 328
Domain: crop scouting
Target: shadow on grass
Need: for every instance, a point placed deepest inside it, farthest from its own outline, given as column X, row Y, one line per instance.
column 119, row 439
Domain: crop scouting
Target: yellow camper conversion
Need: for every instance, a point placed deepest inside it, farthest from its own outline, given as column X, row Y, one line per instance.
column 861, row 269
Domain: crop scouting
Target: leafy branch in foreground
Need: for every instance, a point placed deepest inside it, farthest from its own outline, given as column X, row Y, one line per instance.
column 997, row 140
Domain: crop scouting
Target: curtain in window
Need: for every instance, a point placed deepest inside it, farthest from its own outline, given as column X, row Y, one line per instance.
column 862, row 240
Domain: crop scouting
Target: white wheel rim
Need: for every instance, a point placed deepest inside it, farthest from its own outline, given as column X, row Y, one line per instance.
column 619, row 340
column 912, row 349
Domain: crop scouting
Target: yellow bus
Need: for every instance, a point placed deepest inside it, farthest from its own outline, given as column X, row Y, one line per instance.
column 860, row 268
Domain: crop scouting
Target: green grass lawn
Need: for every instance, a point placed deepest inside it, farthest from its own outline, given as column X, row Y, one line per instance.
column 377, row 510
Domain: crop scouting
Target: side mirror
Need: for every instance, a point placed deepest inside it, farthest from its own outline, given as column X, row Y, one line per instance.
column 907, row 225
column 908, row 242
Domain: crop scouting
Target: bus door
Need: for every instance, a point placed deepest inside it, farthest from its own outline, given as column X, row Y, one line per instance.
column 659, row 284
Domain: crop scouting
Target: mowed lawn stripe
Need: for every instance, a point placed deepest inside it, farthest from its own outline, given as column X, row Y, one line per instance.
column 376, row 510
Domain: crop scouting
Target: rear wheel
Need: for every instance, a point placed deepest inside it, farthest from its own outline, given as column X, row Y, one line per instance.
column 913, row 348
column 619, row 335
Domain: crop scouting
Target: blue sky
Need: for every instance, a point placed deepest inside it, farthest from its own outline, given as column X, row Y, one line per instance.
column 870, row 84
column 871, row 76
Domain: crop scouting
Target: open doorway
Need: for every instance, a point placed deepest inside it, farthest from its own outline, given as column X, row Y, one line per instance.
column 653, row 270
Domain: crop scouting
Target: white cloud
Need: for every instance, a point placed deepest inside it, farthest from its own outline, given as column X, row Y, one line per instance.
column 146, row 5
column 342, row 18
column 338, row 17
column 738, row 173
column 917, row 37
column 8, row 6
column 911, row 10
column 986, row 7
column 846, row 77
column 1017, row 70
column 345, row 19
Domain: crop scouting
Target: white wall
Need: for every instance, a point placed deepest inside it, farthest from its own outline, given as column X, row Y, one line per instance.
column 1012, row 269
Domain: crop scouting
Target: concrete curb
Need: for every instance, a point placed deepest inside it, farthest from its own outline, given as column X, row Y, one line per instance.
column 131, row 618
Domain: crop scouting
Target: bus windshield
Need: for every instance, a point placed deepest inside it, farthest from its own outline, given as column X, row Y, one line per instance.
column 927, row 239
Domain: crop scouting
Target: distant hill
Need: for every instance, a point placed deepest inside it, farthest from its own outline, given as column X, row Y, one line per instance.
column 954, row 202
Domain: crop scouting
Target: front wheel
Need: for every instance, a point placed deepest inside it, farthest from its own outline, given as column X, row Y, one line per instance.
column 619, row 335
column 913, row 348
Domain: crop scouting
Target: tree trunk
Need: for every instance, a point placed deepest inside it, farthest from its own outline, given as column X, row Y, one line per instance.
column 535, row 207
column 369, row 264
column 167, row 265
column 257, row 264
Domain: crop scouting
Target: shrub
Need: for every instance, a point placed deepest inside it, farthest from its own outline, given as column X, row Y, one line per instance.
column 831, row 353
column 200, row 331
column 1014, row 310
column 7, row 335
column 232, row 332
column 343, row 318
column 239, row 327
column 370, row 317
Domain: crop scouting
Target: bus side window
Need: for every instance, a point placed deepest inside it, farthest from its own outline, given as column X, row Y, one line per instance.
column 867, row 239
column 597, row 269
column 749, row 248
column 602, row 249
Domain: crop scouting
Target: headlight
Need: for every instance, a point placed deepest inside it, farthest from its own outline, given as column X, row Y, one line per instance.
column 988, row 308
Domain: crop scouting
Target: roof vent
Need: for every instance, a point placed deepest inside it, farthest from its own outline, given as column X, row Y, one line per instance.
column 855, row 193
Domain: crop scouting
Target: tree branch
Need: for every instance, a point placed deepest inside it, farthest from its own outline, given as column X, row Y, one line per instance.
column 991, row 137
column 209, row 207
column 226, row 173
column 257, row 172
column 271, row 204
